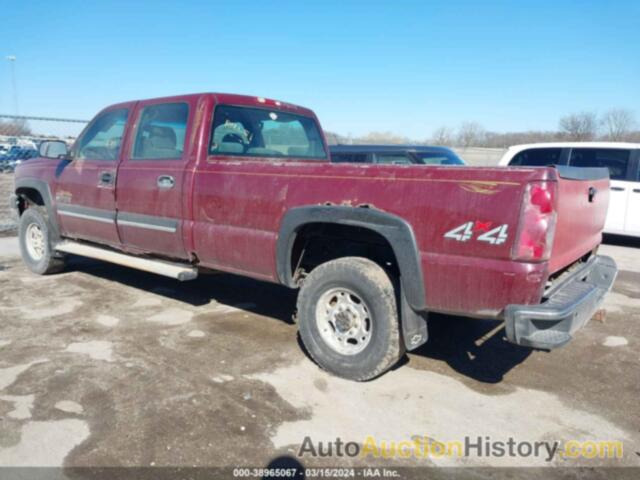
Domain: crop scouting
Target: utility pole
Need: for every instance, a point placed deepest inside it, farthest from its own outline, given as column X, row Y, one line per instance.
column 12, row 62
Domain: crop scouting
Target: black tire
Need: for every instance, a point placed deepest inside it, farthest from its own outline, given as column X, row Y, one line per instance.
column 48, row 262
column 368, row 281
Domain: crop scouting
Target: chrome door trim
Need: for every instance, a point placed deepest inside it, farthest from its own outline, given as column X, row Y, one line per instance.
column 86, row 213
column 149, row 222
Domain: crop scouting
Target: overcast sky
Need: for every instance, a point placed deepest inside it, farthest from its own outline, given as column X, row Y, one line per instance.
column 402, row 66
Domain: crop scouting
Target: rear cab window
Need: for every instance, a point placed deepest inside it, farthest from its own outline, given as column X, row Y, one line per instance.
column 537, row 157
column 616, row 160
column 262, row 132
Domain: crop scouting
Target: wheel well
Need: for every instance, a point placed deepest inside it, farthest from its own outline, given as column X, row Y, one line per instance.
column 317, row 243
column 28, row 195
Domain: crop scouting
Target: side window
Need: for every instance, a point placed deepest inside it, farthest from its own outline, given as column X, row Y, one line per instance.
column 392, row 158
column 103, row 138
column 537, row 157
column 616, row 160
column 161, row 131
column 349, row 158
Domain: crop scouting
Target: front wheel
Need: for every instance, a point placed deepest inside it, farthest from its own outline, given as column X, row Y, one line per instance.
column 348, row 318
column 35, row 243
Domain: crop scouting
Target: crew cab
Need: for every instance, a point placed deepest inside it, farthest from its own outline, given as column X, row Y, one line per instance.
column 244, row 185
column 621, row 159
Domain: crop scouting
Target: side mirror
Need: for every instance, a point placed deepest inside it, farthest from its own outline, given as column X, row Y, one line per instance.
column 54, row 149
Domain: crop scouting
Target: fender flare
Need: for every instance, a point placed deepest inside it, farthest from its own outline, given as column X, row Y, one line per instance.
column 43, row 189
column 394, row 229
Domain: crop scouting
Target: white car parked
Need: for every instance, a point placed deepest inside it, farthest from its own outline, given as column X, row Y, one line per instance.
column 622, row 160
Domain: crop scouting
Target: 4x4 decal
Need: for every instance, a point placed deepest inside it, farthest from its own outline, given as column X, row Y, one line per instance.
column 466, row 232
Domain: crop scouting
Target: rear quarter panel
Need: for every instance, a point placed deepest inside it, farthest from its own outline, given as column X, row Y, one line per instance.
column 239, row 204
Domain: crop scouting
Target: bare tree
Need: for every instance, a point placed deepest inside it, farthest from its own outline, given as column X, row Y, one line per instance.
column 443, row 136
column 618, row 123
column 335, row 138
column 14, row 128
column 634, row 136
column 579, row 126
column 507, row 139
column 382, row 138
column 470, row 134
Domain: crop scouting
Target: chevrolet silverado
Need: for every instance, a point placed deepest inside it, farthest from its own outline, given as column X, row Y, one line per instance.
column 244, row 185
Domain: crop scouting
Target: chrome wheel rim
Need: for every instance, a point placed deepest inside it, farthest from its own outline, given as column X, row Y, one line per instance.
column 34, row 240
column 344, row 321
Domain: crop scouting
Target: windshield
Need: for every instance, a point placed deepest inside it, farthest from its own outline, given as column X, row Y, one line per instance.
column 258, row 132
column 438, row 158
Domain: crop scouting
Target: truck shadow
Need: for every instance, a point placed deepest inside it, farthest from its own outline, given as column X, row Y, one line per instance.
column 253, row 296
column 475, row 348
column 454, row 340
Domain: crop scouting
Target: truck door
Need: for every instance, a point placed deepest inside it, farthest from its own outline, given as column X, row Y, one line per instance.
column 150, row 179
column 618, row 161
column 85, row 186
column 632, row 222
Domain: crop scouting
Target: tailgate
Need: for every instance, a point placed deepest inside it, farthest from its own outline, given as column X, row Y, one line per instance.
column 583, row 198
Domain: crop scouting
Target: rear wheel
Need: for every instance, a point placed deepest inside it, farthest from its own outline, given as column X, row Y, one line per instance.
column 348, row 318
column 35, row 242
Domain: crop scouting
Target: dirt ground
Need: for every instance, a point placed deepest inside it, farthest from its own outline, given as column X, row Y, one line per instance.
column 7, row 223
column 105, row 366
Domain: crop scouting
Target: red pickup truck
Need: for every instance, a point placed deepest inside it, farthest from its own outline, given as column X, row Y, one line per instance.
column 244, row 185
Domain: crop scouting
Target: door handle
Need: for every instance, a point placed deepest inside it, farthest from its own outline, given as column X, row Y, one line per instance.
column 636, row 190
column 166, row 181
column 617, row 189
column 106, row 178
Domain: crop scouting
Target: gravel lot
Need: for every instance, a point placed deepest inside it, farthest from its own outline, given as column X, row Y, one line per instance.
column 103, row 366
column 7, row 223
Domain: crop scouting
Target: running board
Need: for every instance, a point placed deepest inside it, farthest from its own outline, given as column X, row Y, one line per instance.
column 179, row 271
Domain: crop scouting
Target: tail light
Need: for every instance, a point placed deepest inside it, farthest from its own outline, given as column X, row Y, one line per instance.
column 537, row 222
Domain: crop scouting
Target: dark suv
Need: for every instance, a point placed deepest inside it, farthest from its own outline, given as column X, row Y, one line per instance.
column 394, row 154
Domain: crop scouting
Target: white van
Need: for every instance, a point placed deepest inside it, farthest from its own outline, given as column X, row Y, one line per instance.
column 622, row 160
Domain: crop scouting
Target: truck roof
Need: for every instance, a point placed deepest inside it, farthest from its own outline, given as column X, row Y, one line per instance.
column 233, row 99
